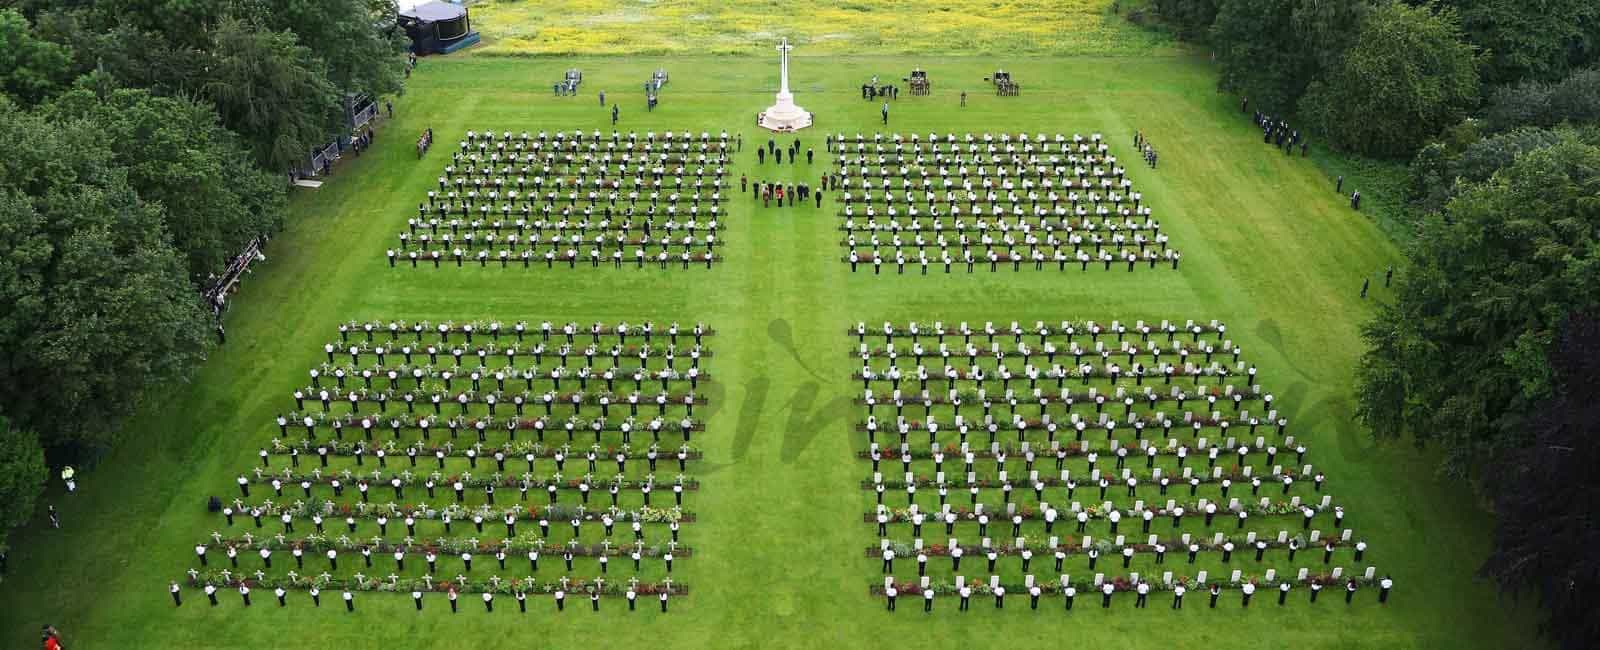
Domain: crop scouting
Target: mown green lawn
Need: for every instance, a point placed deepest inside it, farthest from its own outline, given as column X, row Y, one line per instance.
column 1269, row 249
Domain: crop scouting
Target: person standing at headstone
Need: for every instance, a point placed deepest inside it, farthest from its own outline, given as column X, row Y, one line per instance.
column 1383, row 589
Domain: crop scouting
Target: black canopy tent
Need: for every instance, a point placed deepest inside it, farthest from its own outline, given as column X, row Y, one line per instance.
column 437, row 27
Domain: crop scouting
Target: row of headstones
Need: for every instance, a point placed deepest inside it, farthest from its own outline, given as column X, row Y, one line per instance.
column 1234, row 505
column 1121, row 541
column 1167, row 578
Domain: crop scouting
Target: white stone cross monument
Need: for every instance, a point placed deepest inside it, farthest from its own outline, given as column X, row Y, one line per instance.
column 784, row 115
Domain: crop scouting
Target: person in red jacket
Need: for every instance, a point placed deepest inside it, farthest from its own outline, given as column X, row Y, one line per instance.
column 52, row 638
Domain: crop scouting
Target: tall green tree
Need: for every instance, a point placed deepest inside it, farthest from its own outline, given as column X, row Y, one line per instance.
column 1408, row 76
column 1190, row 19
column 98, row 305
column 1271, row 50
column 1544, row 495
column 1459, row 358
column 1574, row 100
column 1437, row 171
column 271, row 90
column 177, row 155
column 1531, row 40
column 30, row 68
column 22, row 476
column 358, row 40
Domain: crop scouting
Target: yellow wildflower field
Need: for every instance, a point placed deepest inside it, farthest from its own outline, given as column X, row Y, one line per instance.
column 830, row 27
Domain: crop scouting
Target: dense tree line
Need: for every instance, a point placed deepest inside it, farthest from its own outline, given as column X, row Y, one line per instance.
column 1546, row 534
column 147, row 144
column 1488, row 350
column 1382, row 77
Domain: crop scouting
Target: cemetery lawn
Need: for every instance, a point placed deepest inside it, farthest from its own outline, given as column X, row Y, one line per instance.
column 1268, row 248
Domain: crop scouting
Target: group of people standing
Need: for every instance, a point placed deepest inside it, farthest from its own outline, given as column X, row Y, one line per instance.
column 777, row 154
column 1276, row 132
column 769, row 191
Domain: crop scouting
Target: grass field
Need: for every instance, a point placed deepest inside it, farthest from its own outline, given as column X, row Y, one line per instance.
column 1269, row 249
column 658, row 27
